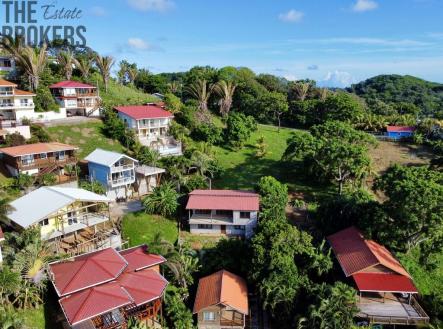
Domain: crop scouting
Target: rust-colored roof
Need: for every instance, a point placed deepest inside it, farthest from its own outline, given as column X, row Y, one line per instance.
column 224, row 288
column 355, row 254
column 223, row 200
column 19, row 92
column 6, row 83
column 89, row 303
column 384, row 282
column 86, row 271
column 400, row 129
column 138, row 258
column 28, row 149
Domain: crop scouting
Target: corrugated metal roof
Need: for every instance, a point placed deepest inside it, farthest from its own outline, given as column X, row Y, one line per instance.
column 106, row 158
column 143, row 286
column 43, row 202
column 223, row 200
column 140, row 112
column 29, row 149
column 400, row 129
column 138, row 258
column 70, row 84
column 224, row 288
column 384, row 282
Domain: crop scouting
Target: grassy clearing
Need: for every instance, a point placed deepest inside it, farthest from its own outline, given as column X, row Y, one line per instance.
column 87, row 136
column 33, row 318
column 198, row 242
column 140, row 228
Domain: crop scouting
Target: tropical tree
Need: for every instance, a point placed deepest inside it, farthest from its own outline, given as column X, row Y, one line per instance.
column 94, row 187
column 182, row 263
column 301, row 90
column 104, row 64
column 273, row 197
column 177, row 314
column 9, row 319
column 5, row 208
column 47, row 179
column 66, row 60
column 201, row 91
column 10, row 283
column 175, row 86
column 162, row 201
column 84, row 64
column 239, row 128
column 225, row 89
column 24, row 181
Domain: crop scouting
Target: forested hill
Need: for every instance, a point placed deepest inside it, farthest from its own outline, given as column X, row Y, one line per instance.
column 428, row 96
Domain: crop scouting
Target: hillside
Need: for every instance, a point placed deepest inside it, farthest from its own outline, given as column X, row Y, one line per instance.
column 428, row 96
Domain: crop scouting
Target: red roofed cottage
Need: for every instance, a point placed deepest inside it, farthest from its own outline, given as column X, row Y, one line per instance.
column 151, row 125
column 227, row 212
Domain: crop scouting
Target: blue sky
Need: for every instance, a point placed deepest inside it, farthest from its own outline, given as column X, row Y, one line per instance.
column 339, row 41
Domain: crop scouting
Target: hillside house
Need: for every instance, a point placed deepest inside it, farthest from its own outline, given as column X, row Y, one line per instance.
column 151, row 126
column 72, row 220
column 221, row 301
column 385, row 289
column 41, row 158
column 106, row 288
column 227, row 212
column 77, row 98
column 15, row 104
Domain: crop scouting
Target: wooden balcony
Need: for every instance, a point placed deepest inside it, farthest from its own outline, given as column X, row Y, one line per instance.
column 44, row 163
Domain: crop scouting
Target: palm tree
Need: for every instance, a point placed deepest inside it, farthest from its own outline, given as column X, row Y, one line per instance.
column 132, row 74
column 226, row 91
column 301, row 90
column 5, row 208
column 174, row 86
column 162, row 201
column 32, row 260
column 201, row 91
column 323, row 94
column 10, row 283
column 66, row 60
column 84, row 64
column 24, row 181
column 104, row 65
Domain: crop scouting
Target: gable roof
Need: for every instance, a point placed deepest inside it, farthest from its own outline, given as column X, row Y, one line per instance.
column 140, row 112
column 223, row 200
column 18, row 92
column 138, row 258
column 384, row 282
column 28, row 149
column 87, row 271
column 400, row 129
column 224, row 288
column 355, row 254
column 106, row 158
column 34, row 206
column 6, row 83
column 70, row 84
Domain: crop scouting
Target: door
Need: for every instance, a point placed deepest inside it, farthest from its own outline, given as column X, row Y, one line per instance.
column 223, row 229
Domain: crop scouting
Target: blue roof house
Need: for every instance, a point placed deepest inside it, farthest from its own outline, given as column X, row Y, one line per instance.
column 400, row 132
column 115, row 171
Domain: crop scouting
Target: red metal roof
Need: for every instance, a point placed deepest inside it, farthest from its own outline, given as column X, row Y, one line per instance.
column 89, row 303
column 384, row 282
column 138, row 258
column 355, row 254
column 143, row 286
column 400, row 129
column 140, row 112
column 224, row 288
column 70, row 84
column 223, row 200
column 87, row 271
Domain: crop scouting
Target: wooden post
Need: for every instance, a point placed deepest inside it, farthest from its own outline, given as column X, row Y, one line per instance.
column 384, row 295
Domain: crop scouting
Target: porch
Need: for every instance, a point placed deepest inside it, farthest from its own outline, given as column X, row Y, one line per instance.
column 165, row 145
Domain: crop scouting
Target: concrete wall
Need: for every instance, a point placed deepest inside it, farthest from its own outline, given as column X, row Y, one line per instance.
column 25, row 131
column 40, row 116
column 131, row 123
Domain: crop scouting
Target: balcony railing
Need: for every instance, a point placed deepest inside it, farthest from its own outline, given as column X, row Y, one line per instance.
column 122, row 168
column 121, row 181
column 6, row 93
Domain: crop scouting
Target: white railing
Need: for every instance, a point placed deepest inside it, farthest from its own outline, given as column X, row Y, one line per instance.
column 119, row 181
column 6, row 93
column 6, row 104
column 122, row 168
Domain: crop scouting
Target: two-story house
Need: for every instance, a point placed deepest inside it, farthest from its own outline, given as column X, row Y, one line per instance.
column 77, row 98
column 151, row 125
column 221, row 301
column 71, row 220
column 15, row 104
column 107, row 288
column 38, row 159
column 227, row 212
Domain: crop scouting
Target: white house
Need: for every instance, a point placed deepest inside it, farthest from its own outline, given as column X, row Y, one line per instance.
column 15, row 104
column 151, row 125
column 227, row 212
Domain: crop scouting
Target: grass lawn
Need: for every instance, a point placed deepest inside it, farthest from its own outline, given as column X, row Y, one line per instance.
column 242, row 169
column 34, row 318
column 140, row 228
column 87, row 136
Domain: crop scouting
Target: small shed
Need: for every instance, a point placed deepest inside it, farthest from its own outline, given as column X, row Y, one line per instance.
column 400, row 132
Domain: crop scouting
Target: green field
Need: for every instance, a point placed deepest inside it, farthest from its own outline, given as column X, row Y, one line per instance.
column 140, row 228
column 87, row 136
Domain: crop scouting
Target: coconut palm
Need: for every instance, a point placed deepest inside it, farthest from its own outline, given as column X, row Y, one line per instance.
column 226, row 91
column 323, row 94
column 301, row 90
column 66, row 60
column 104, row 65
column 84, row 64
column 201, row 91
column 132, row 74
column 5, row 208
column 162, row 201
column 32, row 260
column 183, row 262
column 10, row 283
column 174, row 86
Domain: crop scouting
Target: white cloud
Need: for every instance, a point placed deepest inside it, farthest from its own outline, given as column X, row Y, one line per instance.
column 292, row 16
column 290, row 77
column 337, row 79
column 138, row 44
column 97, row 11
column 313, row 67
column 152, row 5
column 364, row 5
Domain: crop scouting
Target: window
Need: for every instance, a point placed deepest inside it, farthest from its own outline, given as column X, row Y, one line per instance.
column 44, row 222
column 27, row 159
column 227, row 213
column 208, row 316
column 60, row 155
column 24, row 102
column 72, row 221
column 43, row 155
column 245, row 214
column 202, row 212
column 239, row 227
column 205, row 226
column 71, row 103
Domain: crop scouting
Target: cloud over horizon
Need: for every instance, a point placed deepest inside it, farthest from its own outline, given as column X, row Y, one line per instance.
column 364, row 5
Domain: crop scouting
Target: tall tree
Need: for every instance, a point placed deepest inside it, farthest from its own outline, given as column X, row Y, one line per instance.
column 225, row 89
column 201, row 91
column 104, row 65
column 66, row 60
column 162, row 201
column 84, row 64
column 301, row 90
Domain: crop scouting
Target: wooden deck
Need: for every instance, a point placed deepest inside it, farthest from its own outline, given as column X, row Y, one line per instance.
column 391, row 310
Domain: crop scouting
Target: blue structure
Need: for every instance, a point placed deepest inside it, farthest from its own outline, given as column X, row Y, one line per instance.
column 400, row 132
column 115, row 171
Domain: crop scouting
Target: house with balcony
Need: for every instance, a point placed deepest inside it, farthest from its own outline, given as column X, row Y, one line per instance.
column 41, row 158
column 77, row 98
column 107, row 288
column 151, row 125
column 71, row 220
column 229, row 212
column 221, row 301
column 15, row 104
column 386, row 291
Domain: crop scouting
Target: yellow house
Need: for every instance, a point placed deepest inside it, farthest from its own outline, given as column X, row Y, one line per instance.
column 72, row 220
